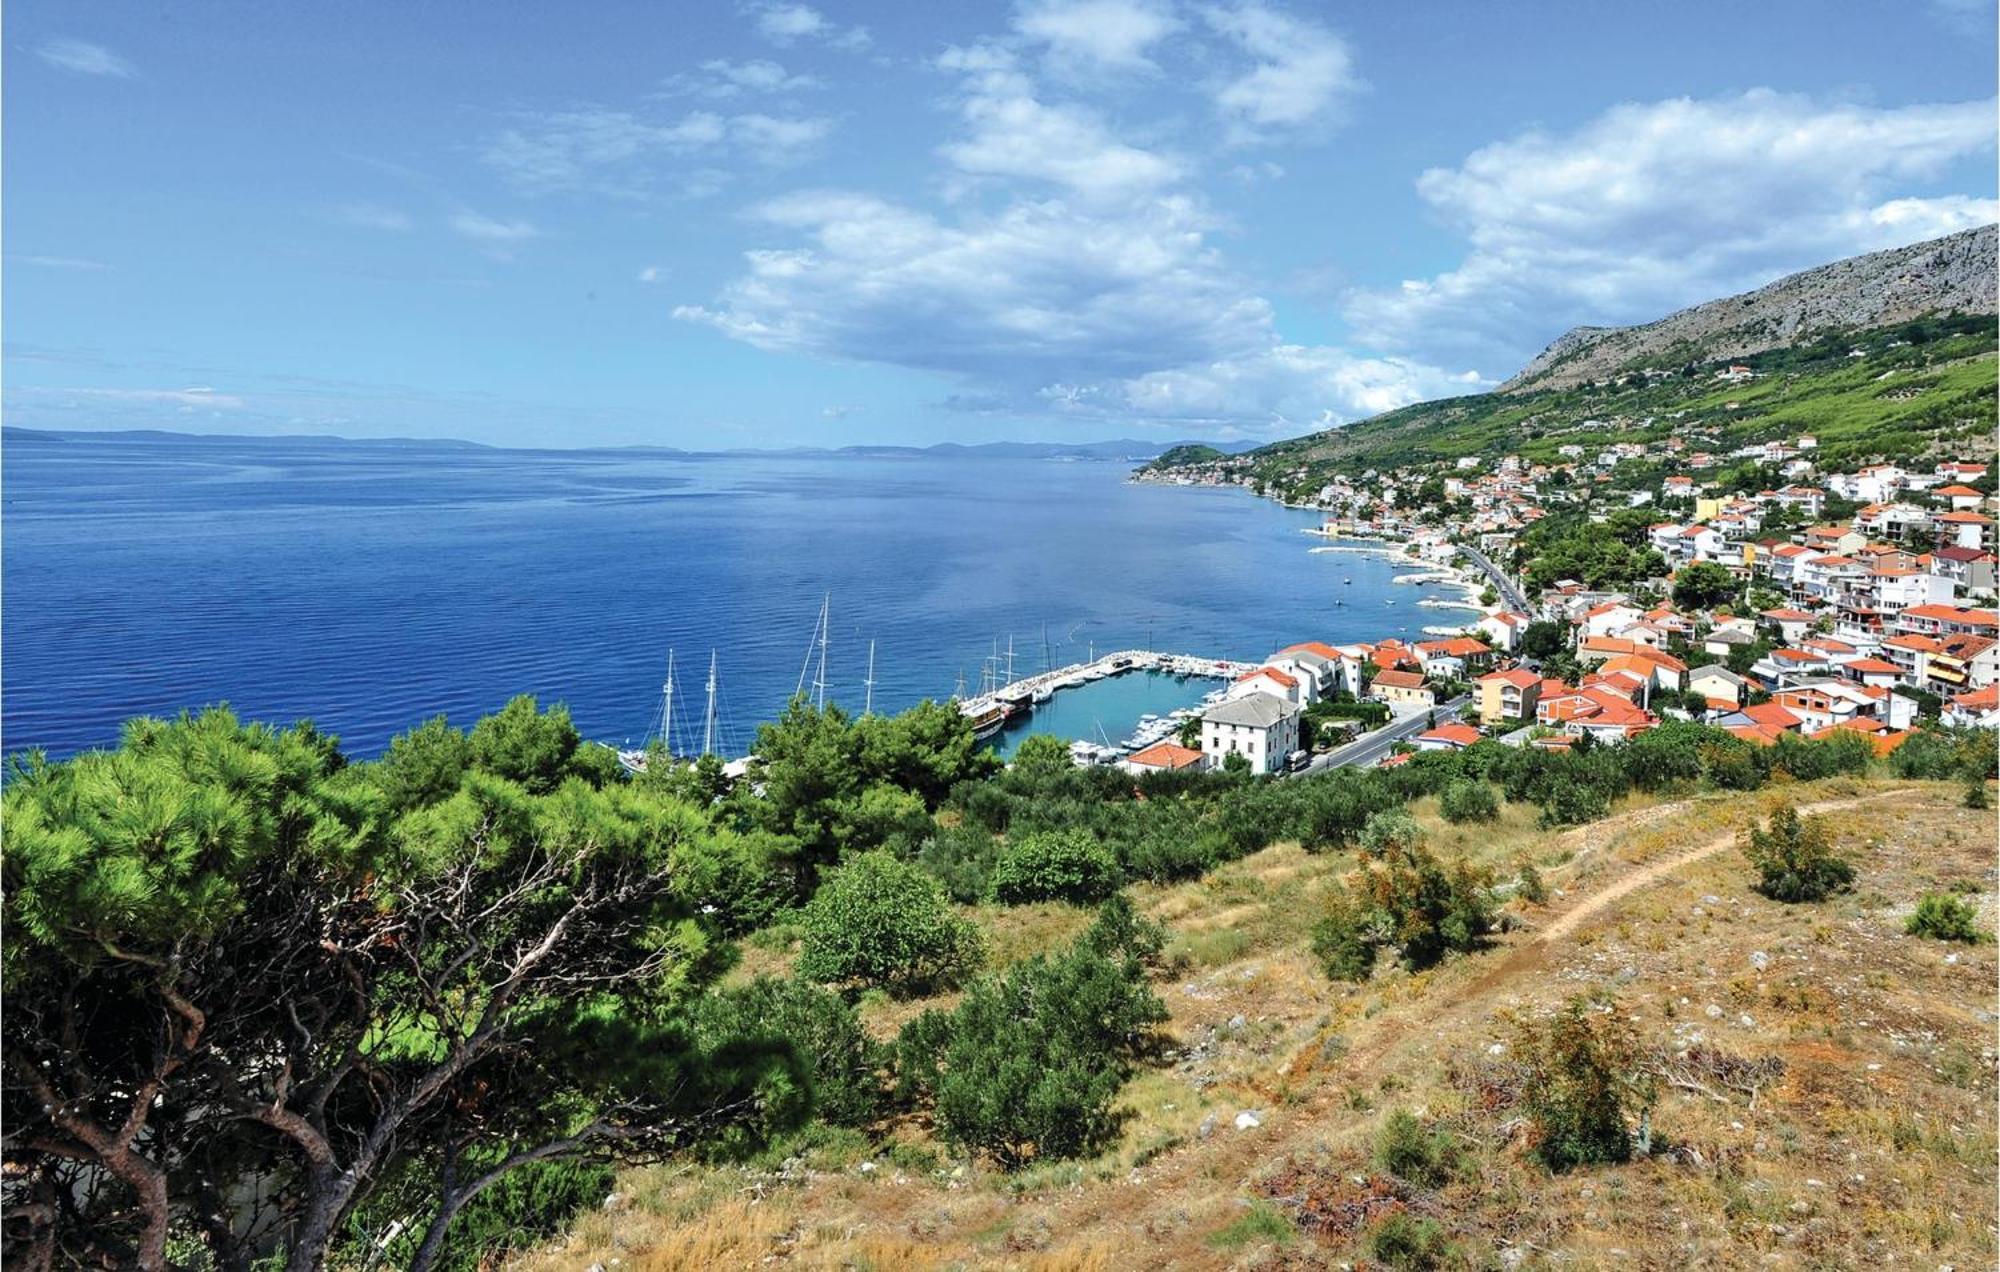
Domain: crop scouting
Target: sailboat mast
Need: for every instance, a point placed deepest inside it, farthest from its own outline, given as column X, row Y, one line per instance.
column 1047, row 665
column 708, row 718
column 667, row 708
column 868, row 702
column 1010, row 658
column 819, row 677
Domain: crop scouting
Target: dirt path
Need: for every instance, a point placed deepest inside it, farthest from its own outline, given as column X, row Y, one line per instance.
column 1653, row 872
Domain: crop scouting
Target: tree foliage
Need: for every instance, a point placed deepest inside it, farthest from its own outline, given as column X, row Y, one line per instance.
column 1584, row 1083
column 1795, row 858
column 1028, row 1064
column 879, row 921
column 1066, row 865
column 230, row 961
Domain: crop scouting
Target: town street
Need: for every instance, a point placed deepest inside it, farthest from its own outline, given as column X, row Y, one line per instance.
column 1510, row 594
column 1374, row 746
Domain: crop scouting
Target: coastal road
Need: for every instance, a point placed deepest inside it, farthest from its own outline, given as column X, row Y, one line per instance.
column 1509, row 592
column 1375, row 745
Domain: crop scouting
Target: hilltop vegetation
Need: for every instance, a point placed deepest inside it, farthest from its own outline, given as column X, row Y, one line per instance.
column 1919, row 387
column 262, row 1000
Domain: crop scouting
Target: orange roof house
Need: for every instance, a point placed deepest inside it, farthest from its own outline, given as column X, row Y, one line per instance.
column 1165, row 755
column 1270, row 673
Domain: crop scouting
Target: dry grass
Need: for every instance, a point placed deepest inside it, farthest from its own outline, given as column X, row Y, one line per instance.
column 1875, row 1147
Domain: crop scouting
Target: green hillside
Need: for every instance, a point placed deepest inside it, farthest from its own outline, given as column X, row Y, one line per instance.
column 1918, row 387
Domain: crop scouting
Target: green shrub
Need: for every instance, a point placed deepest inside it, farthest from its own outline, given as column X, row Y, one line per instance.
column 1407, row 900
column 1068, row 865
column 880, row 921
column 1388, row 832
column 1028, row 1064
column 961, row 858
column 1403, row 1241
column 1261, row 1222
column 1428, row 1156
column 795, row 1048
column 1795, row 859
column 1976, row 795
column 1530, row 887
column 1943, row 917
column 1344, row 940
column 1583, row 1085
column 1469, row 801
column 1571, row 803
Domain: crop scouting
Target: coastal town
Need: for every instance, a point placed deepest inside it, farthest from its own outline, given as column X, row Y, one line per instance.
column 1859, row 599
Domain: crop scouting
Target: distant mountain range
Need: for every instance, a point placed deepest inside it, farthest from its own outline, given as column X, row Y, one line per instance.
column 1955, row 274
column 1890, row 354
column 1122, row 449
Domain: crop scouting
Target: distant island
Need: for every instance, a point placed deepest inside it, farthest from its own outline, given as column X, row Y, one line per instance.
column 1122, row 448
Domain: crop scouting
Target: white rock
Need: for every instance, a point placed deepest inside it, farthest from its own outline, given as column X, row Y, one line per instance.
column 1248, row 1120
column 1713, row 1012
column 1759, row 959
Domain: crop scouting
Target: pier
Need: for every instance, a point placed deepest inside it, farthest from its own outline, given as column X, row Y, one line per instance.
column 1037, row 687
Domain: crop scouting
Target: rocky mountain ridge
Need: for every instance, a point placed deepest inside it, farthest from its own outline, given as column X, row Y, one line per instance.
column 1954, row 274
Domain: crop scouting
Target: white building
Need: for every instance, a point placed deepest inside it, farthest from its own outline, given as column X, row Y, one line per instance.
column 1261, row 727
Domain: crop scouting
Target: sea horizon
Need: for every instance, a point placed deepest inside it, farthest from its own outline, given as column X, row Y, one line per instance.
column 371, row 586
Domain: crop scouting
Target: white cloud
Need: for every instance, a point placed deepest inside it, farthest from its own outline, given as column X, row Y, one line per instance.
column 499, row 239
column 187, row 400
column 615, row 152
column 1090, row 288
column 1011, row 133
column 374, row 216
column 786, row 24
column 59, row 262
column 720, row 78
column 1041, row 293
column 1654, row 206
column 84, row 58
column 1302, row 70
column 652, row 274
column 1290, row 386
column 1088, row 34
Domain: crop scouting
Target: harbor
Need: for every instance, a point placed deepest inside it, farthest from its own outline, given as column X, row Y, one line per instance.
column 1108, row 726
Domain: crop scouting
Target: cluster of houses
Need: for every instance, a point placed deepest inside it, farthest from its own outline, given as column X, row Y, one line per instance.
column 1874, row 613
column 1898, row 598
column 1261, row 715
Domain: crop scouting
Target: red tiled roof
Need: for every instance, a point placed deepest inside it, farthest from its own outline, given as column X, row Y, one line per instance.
column 1772, row 716
column 1399, row 679
column 1289, row 682
column 1873, row 666
column 1313, row 647
column 1166, row 755
column 1456, row 734
column 1519, row 677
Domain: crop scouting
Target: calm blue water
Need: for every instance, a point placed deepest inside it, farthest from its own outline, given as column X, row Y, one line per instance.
column 368, row 586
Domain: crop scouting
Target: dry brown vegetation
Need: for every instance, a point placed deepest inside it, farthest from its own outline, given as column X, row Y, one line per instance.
column 1827, row 1097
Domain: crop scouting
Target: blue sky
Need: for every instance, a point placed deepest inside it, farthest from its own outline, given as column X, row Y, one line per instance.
column 779, row 224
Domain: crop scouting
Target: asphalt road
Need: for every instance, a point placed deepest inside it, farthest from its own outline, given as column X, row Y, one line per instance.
column 1498, row 577
column 1375, row 745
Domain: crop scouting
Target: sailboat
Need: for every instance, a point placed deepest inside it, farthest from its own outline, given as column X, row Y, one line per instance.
column 987, row 713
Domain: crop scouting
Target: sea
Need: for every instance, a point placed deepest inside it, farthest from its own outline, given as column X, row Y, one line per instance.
column 367, row 586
